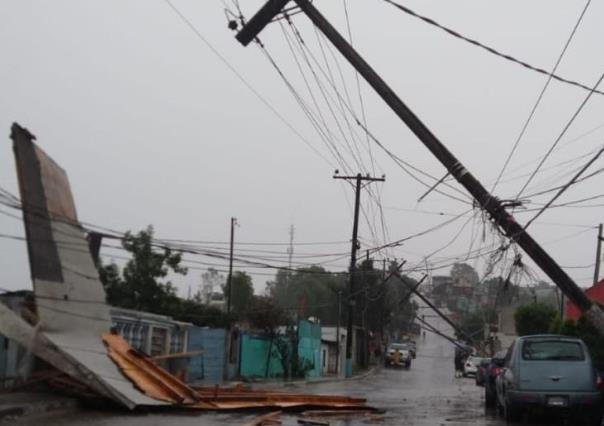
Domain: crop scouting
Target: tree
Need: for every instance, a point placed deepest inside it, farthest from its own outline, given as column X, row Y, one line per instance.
column 464, row 272
column 534, row 319
column 312, row 291
column 241, row 293
column 585, row 331
column 140, row 285
column 472, row 325
column 266, row 316
column 211, row 280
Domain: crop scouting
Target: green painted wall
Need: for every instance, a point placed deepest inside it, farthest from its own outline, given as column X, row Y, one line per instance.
column 254, row 352
column 309, row 346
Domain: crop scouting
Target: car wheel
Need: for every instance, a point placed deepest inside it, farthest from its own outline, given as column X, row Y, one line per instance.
column 510, row 413
column 498, row 407
column 595, row 419
column 489, row 400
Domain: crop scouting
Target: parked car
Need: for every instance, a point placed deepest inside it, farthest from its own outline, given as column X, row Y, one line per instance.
column 398, row 355
column 490, row 375
column 471, row 366
column 552, row 372
column 481, row 371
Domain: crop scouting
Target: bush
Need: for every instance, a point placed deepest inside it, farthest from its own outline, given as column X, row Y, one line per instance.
column 536, row 318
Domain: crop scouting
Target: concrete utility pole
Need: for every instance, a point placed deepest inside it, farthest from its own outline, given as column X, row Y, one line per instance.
column 598, row 255
column 230, row 277
column 359, row 179
column 488, row 202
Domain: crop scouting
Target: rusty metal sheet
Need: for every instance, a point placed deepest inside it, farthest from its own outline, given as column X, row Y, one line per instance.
column 149, row 377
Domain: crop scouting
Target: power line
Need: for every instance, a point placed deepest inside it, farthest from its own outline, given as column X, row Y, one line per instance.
column 490, row 49
column 562, row 133
column 540, row 97
column 281, row 118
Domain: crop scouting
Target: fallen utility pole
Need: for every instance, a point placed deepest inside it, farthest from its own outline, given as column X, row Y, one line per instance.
column 359, row 179
column 413, row 289
column 434, row 330
column 492, row 205
column 598, row 256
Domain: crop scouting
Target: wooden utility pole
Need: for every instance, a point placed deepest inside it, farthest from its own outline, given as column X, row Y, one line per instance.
column 229, row 294
column 230, row 276
column 359, row 179
column 598, row 256
column 484, row 199
column 338, row 333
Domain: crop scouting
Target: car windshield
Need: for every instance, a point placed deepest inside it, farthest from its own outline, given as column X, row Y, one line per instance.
column 552, row 350
column 474, row 360
column 399, row 346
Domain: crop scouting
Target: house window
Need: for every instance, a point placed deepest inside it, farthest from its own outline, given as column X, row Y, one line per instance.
column 139, row 337
column 159, row 340
column 177, row 342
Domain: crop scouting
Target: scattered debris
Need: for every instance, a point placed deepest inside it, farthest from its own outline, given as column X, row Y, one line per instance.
column 310, row 422
column 71, row 331
column 273, row 418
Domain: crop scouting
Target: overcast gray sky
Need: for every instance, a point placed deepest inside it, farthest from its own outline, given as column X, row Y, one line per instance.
column 153, row 128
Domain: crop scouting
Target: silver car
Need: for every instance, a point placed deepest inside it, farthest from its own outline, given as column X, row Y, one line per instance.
column 551, row 372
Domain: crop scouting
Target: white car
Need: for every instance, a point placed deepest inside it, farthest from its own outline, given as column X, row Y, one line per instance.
column 470, row 367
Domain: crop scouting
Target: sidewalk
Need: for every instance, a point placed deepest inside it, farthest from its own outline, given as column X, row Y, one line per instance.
column 19, row 404
column 275, row 383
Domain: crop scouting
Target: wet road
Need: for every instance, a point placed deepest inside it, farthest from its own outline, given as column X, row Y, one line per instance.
column 426, row 394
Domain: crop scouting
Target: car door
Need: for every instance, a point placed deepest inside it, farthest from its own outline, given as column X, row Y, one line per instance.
column 506, row 375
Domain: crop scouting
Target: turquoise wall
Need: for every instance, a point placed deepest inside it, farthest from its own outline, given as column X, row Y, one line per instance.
column 254, row 352
column 309, row 346
column 255, row 348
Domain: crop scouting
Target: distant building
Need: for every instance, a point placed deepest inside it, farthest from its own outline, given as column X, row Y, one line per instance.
column 212, row 284
column 153, row 334
column 595, row 293
column 330, row 362
column 442, row 288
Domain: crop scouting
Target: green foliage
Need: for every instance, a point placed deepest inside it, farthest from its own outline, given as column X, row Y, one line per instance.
column 534, row 319
column 464, row 272
column 142, row 284
column 266, row 316
column 311, row 291
column 593, row 339
column 585, row 331
column 241, row 293
column 472, row 325
column 199, row 314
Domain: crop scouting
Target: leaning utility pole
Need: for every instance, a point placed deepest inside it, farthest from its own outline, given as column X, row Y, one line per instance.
column 359, row 179
column 485, row 200
column 598, row 255
column 230, row 277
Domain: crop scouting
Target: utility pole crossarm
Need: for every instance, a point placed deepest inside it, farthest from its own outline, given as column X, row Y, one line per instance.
column 363, row 178
column 260, row 20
